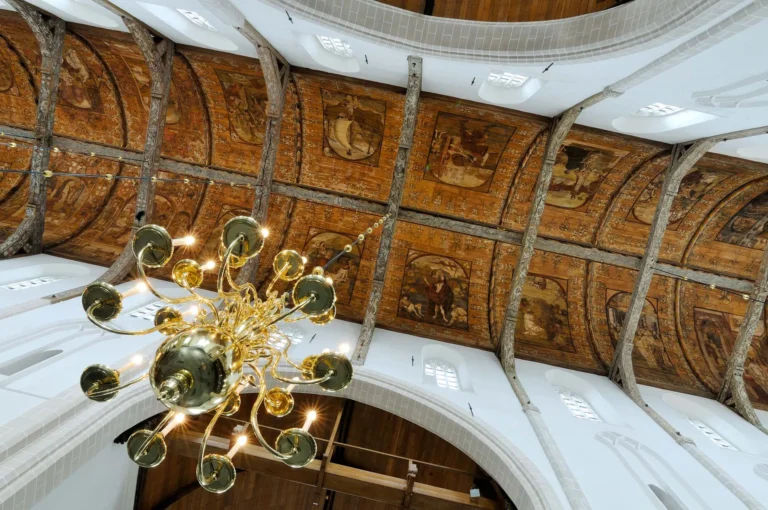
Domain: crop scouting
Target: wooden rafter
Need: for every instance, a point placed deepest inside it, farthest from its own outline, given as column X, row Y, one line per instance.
column 393, row 207
column 158, row 54
column 560, row 128
column 276, row 81
column 49, row 32
column 345, row 479
column 733, row 390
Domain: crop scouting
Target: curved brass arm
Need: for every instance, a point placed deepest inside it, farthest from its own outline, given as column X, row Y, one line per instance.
column 116, row 331
column 224, row 271
column 208, row 431
column 299, row 382
column 151, row 437
column 255, row 417
column 97, row 393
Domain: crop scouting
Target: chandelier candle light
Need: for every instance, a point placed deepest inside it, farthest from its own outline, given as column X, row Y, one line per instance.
column 207, row 360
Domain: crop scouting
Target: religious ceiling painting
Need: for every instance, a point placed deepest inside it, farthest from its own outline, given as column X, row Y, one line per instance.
column 7, row 79
column 353, row 127
column 79, row 86
column 693, row 187
column 435, row 290
column 349, row 134
column 17, row 159
column 734, row 235
column 246, row 99
column 578, row 171
column 657, row 356
column 551, row 322
column 749, row 227
column 542, row 319
column 437, row 284
column 465, row 157
column 710, row 320
column 588, row 173
column 465, row 151
column 320, row 248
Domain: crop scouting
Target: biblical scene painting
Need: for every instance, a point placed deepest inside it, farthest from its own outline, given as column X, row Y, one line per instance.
column 353, row 127
column 435, row 290
column 649, row 352
column 321, row 246
column 578, row 171
column 716, row 334
column 465, row 152
column 543, row 316
column 143, row 82
column 78, row 84
column 7, row 85
column 246, row 98
column 693, row 187
column 749, row 227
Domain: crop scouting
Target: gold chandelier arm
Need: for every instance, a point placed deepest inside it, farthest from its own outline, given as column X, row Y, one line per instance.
column 98, row 393
column 204, row 300
column 204, row 443
column 276, row 278
column 255, row 411
column 291, row 311
column 145, row 279
column 224, row 271
column 151, row 437
column 306, row 382
column 116, row 331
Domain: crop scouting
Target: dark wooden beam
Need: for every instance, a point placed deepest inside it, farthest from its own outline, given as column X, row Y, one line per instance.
column 49, row 32
column 158, row 54
column 560, row 128
column 276, row 85
column 249, row 32
column 348, row 480
column 321, row 492
column 412, row 94
column 733, row 391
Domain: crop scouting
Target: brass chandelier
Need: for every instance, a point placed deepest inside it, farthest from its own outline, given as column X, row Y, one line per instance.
column 206, row 362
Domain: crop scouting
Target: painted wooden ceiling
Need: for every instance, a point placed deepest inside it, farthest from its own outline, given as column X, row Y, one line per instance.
column 503, row 10
column 468, row 161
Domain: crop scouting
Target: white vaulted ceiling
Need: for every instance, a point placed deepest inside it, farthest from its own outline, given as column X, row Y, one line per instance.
column 724, row 80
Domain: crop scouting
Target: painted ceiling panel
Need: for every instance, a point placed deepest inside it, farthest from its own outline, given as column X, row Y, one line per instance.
column 17, row 95
column 350, row 135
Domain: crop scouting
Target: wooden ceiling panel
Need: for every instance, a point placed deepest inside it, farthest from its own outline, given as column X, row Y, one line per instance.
column 437, row 285
column 503, row 10
column 657, row 357
column 88, row 105
column 318, row 232
column 732, row 239
column 465, row 157
column 628, row 223
column 109, row 232
column 12, row 159
column 350, row 135
column 709, row 321
column 17, row 95
column 552, row 321
column 589, row 170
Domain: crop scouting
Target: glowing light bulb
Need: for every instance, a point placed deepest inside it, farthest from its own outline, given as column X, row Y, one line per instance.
column 326, row 350
column 344, row 348
column 311, row 416
column 140, row 287
column 239, row 443
column 193, row 310
column 137, row 359
column 209, row 265
column 189, row 240
column 304, row 260
column 265, row 232
column 178, row 418
column 242, row 440
column 329, row 280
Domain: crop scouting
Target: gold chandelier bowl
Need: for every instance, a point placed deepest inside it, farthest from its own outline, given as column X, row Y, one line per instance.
column 207, row 360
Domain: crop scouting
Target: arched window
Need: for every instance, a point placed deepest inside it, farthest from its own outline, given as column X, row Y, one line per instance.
column 15, row 366
column 34, row 282
column 578, row 407
column 714, row 436
column 444, row 374
column 148, row 312
column 666, row 500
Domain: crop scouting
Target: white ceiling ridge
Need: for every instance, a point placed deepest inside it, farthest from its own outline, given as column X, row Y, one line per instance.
column 626, row 29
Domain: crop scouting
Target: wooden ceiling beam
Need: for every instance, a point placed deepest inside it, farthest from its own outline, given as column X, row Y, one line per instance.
column 276, row 86
column 559, row 130
column 158, row 54
column 733, row 391
column 407, row 131
column 345, row 479
column 49, row 32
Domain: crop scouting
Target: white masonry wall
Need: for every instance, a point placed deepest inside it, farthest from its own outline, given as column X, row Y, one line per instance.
column 622, row 461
